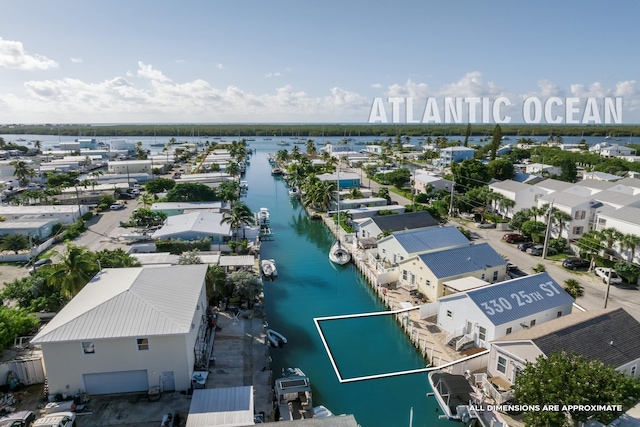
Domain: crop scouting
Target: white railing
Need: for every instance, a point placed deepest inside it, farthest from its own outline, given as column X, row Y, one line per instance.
column 497, row 396
column 455, row 333
column 467, row 338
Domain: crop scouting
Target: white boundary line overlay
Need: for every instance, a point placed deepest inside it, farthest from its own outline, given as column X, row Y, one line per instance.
column 317, row 321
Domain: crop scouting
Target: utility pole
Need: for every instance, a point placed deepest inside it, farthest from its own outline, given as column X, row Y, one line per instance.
column 548, row 231
column 453, row 185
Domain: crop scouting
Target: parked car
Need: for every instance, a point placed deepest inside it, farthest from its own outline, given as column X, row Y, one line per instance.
column 126, row 196
column 116, row 206
column 537, row 250
column 485, row 225
column 525, row 245
column 18, row 419
column 575, row 263
column 511, row 266
column 41, row 262
column 513, row 238
column 605, row 273
column 57, row 419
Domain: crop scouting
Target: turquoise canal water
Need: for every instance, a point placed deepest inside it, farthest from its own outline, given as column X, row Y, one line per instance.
column 310, row 286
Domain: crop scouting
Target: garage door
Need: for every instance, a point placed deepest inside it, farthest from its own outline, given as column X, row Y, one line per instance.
column 116, row 382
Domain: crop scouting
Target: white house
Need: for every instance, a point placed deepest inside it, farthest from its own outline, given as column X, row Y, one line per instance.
column 424, row 180
column 195, row 225
column 428, row 271
column 615, row 150
column 405, row 244
column 124, row 167
column 65, row 214
column 40, row 228
column 524, row 195
column 491, row 312
column 374, row 226
column 541, row 168
column 609, row 335
column 627, row 221
column 127, row 330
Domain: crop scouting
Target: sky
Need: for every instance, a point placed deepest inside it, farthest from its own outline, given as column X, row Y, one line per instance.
column 296, row 61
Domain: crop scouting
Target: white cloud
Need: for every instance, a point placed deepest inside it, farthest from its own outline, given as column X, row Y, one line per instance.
column 470, row 85
column 13, row 55
column 376, row 86
column 276, row 74
column 76, row 60
column 148, row 95
column 219, row 66
column 410, row 89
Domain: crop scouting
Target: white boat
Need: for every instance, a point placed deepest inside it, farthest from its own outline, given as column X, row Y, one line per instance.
column 453, row 393
column 338, row 254
column 276, row 339
column 263, row 216
column 244, row 185
column 269, row 268
column 293, row 395
column 293, row 192
column 321, row 412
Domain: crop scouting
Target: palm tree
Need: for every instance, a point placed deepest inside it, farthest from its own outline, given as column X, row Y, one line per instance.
column 354, row 193
column 22, row 171
column 560, row 218
column 311, row 148
column 630, row 242
column 232, row 168
column 573, row 288
column 239, row 215
column 610, row 236
column 147, row 199
column 14, row 242
column 74, row 272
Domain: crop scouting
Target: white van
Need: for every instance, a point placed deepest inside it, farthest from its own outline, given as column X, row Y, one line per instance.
column 58, row 419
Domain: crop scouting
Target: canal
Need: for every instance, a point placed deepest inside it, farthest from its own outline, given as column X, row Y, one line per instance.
column 310, row 286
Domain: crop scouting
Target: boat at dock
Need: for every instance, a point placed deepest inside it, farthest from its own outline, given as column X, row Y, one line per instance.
column 338, row 254
column 461, row 401
column 277, row 171
column 293, row 192
column 268, row 267
column 293, row 395
column 276, row 339
column 263, row 216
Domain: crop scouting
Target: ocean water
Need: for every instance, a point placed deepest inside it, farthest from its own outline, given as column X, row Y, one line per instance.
column 310, row 286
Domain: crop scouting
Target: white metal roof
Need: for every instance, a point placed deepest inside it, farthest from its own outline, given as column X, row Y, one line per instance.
column 130, row 302
column 221, row 407
column 204, row 223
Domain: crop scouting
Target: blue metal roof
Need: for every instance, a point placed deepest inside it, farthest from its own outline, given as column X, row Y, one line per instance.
column 466, row 259
column 430, row 239
column 514, row 299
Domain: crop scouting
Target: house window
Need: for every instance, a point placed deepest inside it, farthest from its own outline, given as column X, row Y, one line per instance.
column 508, row 331
column 88, row 347
column 384, row 251
column 559, row 314
column 532, row 323
column 482, row 333
column 578, row 230
column 483, row 276
column 449, row 313
column 428, row 282
column 363, row 235
column 404, row 274
column 633, row 371
column 502, row 365
column 143, row 344
column 580, row 215
column 413, row 279
column 495, row 276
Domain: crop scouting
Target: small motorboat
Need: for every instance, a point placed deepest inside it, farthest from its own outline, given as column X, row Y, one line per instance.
column 269, row 268
column 275, row 339
column 293, row 192
column 321, row 411
column 277, row 171
column 244, row 185
column 263, row 216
